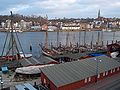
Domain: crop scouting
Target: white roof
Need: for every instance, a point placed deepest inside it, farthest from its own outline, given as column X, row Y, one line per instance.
column 31, row 69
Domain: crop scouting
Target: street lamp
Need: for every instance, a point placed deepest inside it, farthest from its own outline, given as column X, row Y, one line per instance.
column 1, row 84
column 1, row 80
column 97, row 61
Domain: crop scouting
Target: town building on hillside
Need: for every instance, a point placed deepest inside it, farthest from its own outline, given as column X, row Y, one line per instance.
column 52, row 28
column 8, row 24
column 36, row 28
column 86, row 25
column 70, row 27
column 2, row 24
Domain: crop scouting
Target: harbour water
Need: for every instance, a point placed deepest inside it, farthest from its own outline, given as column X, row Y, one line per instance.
column 35, row 38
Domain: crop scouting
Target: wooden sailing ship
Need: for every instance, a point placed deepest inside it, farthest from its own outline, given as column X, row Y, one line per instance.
column 11, row 54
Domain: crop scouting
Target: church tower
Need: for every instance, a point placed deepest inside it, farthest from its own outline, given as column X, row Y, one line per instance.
column 99, row 13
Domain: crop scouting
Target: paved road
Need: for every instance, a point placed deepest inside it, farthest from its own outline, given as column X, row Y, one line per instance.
column 112, row 86
column 110, row 83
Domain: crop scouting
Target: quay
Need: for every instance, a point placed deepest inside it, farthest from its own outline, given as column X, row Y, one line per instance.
column 59, row 30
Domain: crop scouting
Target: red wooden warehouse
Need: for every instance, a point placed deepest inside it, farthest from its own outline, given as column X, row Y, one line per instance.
column 76, row 74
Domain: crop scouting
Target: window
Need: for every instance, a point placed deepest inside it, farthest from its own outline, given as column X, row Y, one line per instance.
column 85, row 80
column 98, row 76
column 89, row 79
column 111, row 71
column 44, row 80
column 118, row 69
column 106, row 73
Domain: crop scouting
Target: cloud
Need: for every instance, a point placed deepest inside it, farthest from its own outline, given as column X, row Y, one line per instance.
column 62, row 8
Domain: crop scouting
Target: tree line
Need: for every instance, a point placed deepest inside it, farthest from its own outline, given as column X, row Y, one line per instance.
column 18, row 18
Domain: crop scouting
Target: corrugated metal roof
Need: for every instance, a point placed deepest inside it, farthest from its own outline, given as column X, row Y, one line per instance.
column 20, row 87
column 33, row 60
column 45, row 60
column 29, row 86
column 25, row 62
column 26, row 86
column 71, row 55
column 29, row 61
column 10, row 64
column 70, row 72
column 78, row 55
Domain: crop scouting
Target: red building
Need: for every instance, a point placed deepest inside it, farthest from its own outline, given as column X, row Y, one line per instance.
column 76, row 74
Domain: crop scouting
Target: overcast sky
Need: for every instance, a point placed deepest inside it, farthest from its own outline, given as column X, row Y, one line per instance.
column 62, row 8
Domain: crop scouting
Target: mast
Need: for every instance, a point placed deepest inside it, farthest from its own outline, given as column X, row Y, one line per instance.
column 113, row 36
column 46, row 33
column 79, row 37
column 12, row 44
column 98, row 39
column 92, row 41
column 67, row 36
column 57, row 38
column 85, row 38
column 12, row 32
column 74, row 41
column 46, row 39
column 102, row 38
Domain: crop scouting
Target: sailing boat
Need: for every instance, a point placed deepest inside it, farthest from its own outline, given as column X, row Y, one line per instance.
column 12, row 54
column 45, row 49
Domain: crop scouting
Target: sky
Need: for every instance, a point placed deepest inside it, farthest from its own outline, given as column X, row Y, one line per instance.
column 62, row 8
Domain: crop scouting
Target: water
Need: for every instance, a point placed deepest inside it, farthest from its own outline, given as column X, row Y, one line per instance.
column 35, row 38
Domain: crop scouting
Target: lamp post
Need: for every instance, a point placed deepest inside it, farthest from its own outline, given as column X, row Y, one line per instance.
column 1, row 85
column 1, row 82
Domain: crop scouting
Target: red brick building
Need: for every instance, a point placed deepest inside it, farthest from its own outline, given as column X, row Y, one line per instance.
column 76, row 74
